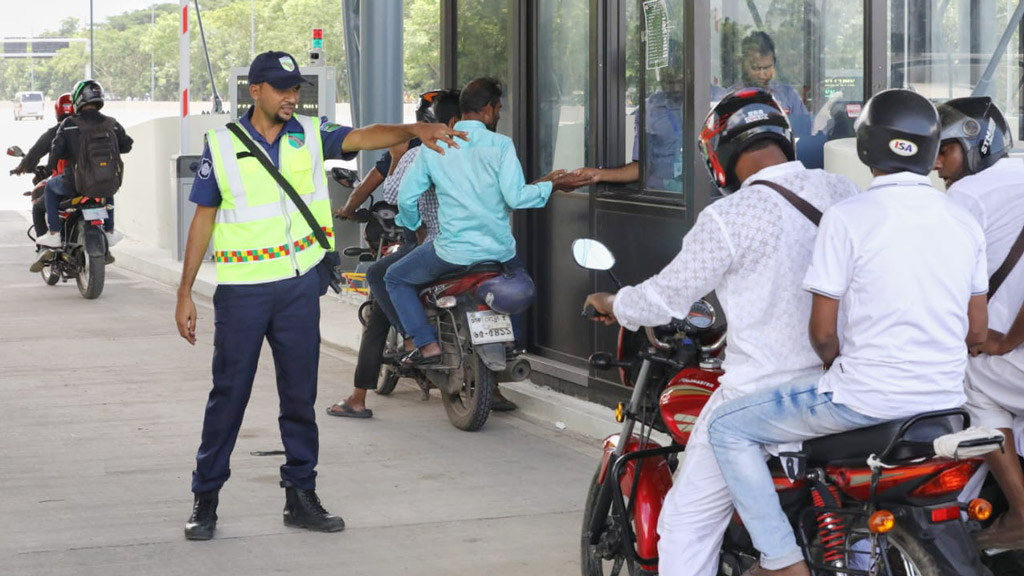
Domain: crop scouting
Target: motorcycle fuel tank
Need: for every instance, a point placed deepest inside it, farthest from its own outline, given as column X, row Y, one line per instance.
column 684, row 398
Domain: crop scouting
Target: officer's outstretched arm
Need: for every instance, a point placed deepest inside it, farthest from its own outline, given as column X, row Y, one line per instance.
column 195, row 248
column 378, row 136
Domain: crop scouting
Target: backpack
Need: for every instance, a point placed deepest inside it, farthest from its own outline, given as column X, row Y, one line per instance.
column 98, row 165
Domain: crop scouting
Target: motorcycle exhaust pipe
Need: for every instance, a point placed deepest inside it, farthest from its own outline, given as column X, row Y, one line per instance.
column 515, row 371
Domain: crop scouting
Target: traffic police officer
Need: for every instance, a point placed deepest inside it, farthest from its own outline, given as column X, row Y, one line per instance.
column 270, row 278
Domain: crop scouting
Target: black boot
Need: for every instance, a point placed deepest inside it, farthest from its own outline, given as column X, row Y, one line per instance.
column 203, row 522
column 302, row 509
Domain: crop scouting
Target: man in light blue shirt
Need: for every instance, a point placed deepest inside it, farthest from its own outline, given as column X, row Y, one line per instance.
column 478, row 185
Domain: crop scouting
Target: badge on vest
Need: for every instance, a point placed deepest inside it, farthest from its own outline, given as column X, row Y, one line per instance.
column 297, row 140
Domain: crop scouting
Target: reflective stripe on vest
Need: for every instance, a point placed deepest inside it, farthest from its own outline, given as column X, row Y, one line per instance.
column 259, row 235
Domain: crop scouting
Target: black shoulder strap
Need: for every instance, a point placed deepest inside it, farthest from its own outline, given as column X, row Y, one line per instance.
column 282, row 182
column 805, row 207
column 1007, row 266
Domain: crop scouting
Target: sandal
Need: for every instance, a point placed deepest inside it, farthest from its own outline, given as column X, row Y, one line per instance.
column 347, row 411
column 416, row 358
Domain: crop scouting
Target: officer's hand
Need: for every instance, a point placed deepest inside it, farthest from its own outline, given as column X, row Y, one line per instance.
column 602, row 302
column 431, row 134
column 185, row 317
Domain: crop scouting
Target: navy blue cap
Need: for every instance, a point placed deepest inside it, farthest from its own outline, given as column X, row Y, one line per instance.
column 278, row 69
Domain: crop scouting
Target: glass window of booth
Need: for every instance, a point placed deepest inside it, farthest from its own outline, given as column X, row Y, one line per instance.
column 563, row 81
column 483, row 48
column 951, row 49
column 808, row 53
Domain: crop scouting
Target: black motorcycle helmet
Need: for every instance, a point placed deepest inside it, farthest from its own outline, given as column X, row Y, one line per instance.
column 898, row 131
column 740, row 119
column 424, row 111
column 87, row 92
column 978, row 125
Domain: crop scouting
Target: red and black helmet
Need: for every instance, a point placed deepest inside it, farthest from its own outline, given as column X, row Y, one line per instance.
column 740, row 119
column 63, row 107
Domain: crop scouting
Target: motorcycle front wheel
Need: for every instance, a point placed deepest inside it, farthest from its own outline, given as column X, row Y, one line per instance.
column 50, row 274
column 388, row 371
column 608, row 556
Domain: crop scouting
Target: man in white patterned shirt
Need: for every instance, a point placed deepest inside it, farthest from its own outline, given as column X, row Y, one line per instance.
column 752, row 247
column 445, row 108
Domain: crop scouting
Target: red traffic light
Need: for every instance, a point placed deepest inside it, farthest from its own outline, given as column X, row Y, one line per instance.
column 318, row 33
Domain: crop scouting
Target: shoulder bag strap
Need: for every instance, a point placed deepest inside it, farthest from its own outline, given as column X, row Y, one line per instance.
column 282, row 182
column 805, row 207
column 1007, row 266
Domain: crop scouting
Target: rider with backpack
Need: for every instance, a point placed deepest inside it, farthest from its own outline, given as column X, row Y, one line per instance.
column 92, row 144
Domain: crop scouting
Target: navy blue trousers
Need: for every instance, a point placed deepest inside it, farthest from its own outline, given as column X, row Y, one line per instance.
column 287, row 314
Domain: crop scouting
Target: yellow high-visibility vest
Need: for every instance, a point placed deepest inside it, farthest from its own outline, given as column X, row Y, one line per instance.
column 259, row 235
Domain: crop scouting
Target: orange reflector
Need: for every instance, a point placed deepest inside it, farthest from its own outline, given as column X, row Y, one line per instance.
column 949, row 481
column 947, row 513
column 979, row 509
column 620, row 412
column 881, row 522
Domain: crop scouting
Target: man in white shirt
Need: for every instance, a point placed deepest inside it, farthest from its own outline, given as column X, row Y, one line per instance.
column 909, row 268
column 753, row 248
column 973, row 160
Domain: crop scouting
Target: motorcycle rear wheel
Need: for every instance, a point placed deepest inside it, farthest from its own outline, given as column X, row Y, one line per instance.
column 469, row 405
column 608, row 557
column 90, row 274
column 906, row 556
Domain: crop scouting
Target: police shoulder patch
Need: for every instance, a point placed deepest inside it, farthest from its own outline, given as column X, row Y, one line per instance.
column 330, row 126
column 205, row 169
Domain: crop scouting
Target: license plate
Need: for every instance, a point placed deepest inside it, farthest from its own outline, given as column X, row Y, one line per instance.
column 488, row 326
column 94, row 213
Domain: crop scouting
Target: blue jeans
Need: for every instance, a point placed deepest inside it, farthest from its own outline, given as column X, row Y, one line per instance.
column 403, row 279
column 738, row 429
column 52, row 194
column 375, row 279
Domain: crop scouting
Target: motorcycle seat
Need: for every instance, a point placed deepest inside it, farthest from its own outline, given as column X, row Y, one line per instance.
column 485, row 267
column 915, row 441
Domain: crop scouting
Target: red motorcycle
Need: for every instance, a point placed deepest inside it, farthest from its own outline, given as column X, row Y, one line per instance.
column 875, row 501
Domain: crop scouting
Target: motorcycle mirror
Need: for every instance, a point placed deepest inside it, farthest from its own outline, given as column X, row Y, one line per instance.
column 345, row 177
column 602, row 361
column 592, row 255
column 15, row 151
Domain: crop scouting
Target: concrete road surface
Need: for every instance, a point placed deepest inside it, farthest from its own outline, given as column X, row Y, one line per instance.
column 101, row 404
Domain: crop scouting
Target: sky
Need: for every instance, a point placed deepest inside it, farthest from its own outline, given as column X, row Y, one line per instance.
column 39, row 15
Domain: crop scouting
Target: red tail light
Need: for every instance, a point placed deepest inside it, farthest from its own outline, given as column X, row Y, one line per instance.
column 947, row 513
column 949, row 481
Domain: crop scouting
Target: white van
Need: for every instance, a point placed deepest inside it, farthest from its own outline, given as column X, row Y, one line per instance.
column 28, row 104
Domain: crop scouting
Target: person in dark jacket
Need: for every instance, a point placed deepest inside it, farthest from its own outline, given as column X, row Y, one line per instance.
column 30, row 163
column 87, row 99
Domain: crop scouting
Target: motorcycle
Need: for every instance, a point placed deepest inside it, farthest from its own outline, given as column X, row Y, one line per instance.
column 83, row 251
column 874, row 501
column 473, row 336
